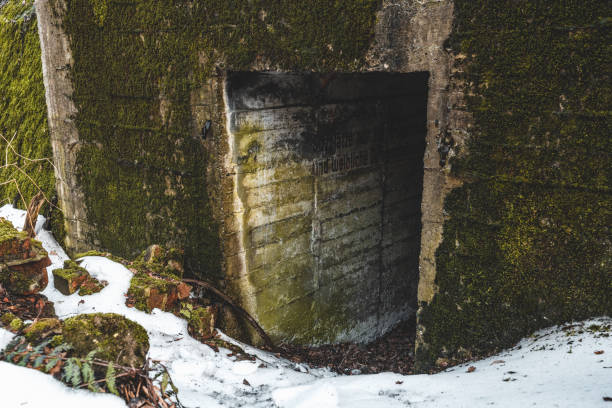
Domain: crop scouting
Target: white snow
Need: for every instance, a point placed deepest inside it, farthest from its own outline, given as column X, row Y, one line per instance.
column 551, row 369
column 540, row 371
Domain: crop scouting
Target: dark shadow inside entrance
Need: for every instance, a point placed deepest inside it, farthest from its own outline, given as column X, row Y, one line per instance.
column 330, row 173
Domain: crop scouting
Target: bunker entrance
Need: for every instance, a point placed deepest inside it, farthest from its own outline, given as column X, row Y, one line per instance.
column 328, row 186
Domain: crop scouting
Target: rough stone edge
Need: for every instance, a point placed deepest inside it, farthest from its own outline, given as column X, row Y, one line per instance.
column 421, row 27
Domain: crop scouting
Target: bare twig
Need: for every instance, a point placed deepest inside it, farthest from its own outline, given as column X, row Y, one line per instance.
column 39, row 198
column 36, row 204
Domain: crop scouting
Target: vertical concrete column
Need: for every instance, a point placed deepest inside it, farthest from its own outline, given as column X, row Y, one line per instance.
column 410, row 37
column 57, row 62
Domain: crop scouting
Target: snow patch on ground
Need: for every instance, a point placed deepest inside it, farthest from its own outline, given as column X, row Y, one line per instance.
column 549, row 369
column 553, row 368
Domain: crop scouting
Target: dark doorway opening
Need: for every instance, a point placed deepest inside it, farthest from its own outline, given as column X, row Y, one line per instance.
column 330, row 174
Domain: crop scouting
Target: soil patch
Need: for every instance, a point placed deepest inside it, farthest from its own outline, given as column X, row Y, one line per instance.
column 394, row 352
column 26, row 307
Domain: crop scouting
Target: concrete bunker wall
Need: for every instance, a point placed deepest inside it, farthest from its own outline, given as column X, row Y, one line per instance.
column 329, row 173
column 127, row 98
column 535, row 112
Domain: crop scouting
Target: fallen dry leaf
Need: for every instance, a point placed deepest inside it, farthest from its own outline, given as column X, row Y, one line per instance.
column 599, row 352
column 471, row 369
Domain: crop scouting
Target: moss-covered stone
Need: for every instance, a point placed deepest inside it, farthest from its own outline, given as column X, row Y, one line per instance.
column 148, row 292
column 23, row 261
column 23, row 112
column 73, row 277
column 200, row 321
column 157, row 279
column 527, row 239
column 15, row 245
column 116, row 338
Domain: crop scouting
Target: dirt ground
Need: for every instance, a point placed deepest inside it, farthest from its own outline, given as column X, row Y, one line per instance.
column 393, row 352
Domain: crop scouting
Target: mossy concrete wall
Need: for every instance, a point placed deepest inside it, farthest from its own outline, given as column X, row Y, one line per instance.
column 523, row 239
column 24, row 134
column 526, row 240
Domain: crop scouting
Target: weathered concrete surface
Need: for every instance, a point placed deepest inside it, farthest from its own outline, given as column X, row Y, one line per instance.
column 328, row 175
column 292, row 235
column 61, row 110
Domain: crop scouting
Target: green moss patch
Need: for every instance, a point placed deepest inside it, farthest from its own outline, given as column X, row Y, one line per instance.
column 11, row 322
column 42, row 329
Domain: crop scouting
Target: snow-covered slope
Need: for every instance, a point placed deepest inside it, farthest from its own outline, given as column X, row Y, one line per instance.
column 551, row 369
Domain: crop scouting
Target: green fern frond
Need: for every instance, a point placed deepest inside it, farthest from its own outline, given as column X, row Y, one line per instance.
column 51, row 363
column 72, row 372
column 110, row 379
column 39, row 360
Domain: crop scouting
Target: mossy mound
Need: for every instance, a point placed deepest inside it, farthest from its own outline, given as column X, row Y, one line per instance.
column 115, row 338
column 73, row 277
